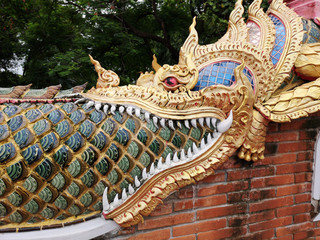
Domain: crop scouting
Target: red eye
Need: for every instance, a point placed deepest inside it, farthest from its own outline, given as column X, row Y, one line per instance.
column 171, row 81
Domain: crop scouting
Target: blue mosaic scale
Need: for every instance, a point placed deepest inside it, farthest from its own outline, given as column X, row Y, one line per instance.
column 64, row 155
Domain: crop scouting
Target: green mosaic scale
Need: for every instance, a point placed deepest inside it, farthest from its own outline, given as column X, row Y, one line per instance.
column 58, row 159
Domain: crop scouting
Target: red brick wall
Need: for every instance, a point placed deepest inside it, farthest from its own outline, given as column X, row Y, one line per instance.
column 269, row 199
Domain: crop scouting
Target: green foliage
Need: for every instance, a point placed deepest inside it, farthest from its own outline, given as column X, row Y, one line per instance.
column 54, row 37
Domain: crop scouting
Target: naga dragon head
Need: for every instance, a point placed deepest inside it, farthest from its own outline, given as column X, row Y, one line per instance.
column 191, row 117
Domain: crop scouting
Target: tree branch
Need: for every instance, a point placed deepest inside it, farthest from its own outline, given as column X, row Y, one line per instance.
column 145, row 35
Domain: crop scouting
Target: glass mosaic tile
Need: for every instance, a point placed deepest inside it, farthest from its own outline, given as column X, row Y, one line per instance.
column 280, row 39
column 254, row 33
column 220, row 73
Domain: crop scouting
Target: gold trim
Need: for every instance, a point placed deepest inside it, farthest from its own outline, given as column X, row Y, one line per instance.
column 299, row 102
column 267, row 29
column 161, row 185
column 294, row 35
column 237, row 29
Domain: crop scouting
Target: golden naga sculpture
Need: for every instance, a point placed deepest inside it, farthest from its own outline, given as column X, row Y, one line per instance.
column 122, row 150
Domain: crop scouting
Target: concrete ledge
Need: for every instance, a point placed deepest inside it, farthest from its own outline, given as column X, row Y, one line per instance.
column 80, row 231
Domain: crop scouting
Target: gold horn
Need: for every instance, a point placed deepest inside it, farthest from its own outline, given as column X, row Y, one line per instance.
column 106, row 78
column 155, row 64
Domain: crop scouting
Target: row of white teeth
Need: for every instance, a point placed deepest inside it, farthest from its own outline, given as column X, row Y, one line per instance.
column 169, row 162
column 132, row 110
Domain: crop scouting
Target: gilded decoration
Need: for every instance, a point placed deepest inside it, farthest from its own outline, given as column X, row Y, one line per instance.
column 67, row 156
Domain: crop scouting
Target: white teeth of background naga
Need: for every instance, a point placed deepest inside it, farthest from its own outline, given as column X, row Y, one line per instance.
column 98, row 106
column 172, row 124
column 129, row 110
column 113, row 109
column 105, row 109
column 172, row 159
column 121, row 109
column 90, row 104
column 138, row 112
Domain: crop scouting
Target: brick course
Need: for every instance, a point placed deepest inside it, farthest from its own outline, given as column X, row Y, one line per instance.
column 269, row 199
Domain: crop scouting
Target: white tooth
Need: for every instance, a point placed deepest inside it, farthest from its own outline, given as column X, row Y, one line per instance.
column 81, row 100
column 138, row 112
column 179, row 125
column 144, row 174
column 186, row 123
column 209, row 139
column 160, row 165
column 163, row 122
column 202, row 144
column 194, row 148
column 208, row 120
column 175, row 157
column 225, row 124
column 105, row 108
column 105, row 202
column 131, row 190
column 170, row 123
column 129, row 110
column 152, row 169
column 116, row 200
column 194, row 123
column 168, row 159
column 147, row 116
column 215, row 135
column 213, row 122
column 121, row 109
column 136, row 182
column 155, row 121
column 124, row 194
column 189, row 153
column 112, row 109
column 182, row 155
column 200, row 120
column 98, row 106
column 90, row 104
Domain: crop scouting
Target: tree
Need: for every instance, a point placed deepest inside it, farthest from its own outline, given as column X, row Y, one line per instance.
column 11, row 49
column 54, row 37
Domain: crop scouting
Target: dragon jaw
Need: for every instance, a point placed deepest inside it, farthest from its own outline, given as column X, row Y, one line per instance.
column 216, row 111
column 178, row 168
column 171, row 161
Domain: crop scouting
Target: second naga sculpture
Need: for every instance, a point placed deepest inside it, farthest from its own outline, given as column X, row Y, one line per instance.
column 122, row 150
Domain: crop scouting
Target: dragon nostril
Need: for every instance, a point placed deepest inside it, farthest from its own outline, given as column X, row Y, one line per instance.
column 171, row 81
